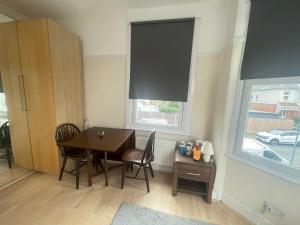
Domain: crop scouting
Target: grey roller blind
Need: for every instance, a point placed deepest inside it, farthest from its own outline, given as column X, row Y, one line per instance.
column 273, row 40
column 160, row 59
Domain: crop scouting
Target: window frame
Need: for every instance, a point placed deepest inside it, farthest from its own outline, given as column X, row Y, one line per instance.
column 239, row 123
column 185, row 126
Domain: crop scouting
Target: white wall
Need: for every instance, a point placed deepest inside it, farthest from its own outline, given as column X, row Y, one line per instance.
column 104, row 79
column 4, row 18
column 251, row 187
column 10, row 13
column 104, row 34
column 222, row 109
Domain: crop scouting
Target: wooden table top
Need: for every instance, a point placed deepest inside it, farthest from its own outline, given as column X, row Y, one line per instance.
column 89, row 139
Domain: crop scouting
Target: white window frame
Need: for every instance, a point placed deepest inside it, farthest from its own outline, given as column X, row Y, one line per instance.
column 242, row 98
column 184, row 126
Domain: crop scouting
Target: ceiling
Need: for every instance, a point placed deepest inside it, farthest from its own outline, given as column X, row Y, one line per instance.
column 58, row 9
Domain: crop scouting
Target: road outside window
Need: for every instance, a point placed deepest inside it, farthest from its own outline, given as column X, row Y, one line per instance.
column 273, row 124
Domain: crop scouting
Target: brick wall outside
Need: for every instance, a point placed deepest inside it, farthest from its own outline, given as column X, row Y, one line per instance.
column 263, row 107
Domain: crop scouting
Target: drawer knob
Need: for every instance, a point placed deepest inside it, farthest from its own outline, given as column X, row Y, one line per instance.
column 194, row 174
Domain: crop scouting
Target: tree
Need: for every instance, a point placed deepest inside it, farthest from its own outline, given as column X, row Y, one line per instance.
column 169, row 107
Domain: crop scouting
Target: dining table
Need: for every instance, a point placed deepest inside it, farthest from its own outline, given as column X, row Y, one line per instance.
column 101, row 139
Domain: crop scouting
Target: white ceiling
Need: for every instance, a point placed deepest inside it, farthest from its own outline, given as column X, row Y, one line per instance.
column 58, row 9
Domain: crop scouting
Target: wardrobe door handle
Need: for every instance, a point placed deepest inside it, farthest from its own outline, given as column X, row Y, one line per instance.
column 27, row 102
column 22, row 92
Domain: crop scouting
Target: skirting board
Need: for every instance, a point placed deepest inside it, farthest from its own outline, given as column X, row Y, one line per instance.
column 163, row 168
column 250, row 214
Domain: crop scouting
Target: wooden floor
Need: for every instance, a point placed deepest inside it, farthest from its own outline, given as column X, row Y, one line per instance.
column 8, row 175
column 42, row 199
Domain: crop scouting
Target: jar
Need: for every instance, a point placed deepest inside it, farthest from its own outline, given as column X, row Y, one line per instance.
column 196, row 153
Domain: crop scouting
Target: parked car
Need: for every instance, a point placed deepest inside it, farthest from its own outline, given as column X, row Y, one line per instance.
column 276, row 137
column 257, row 148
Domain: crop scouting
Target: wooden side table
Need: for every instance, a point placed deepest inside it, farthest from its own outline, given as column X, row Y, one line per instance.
column 196, row 177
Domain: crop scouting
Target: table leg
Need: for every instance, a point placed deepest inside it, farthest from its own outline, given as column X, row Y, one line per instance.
column 106, row 169
column 175, row 181
column 89, row 167
column 209, row 193
column 132, row 140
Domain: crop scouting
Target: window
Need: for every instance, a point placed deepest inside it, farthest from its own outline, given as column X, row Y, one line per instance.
column 264, row 136
column 165, row 116
column 3, row 109
column 160, row 113
column 160, row 77
column 286, row 95
column 267, row 131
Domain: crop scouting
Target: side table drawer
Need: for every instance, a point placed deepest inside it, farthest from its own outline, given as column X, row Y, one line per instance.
column 199, row 173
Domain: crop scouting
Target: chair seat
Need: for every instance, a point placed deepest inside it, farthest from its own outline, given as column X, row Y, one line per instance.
column 75, row 153
column 133, row 155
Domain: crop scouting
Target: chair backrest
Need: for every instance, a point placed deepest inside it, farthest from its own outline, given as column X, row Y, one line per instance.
column 148, row 155
column 65, row 132
column 5, row 135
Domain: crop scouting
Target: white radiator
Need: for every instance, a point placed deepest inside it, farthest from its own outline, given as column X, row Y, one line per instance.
column 163, row 150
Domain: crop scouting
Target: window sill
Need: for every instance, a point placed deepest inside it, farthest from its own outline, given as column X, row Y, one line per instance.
column 170, row 134
column 277, row 173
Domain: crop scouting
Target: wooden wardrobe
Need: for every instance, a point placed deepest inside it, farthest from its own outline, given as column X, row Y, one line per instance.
column 41, row 70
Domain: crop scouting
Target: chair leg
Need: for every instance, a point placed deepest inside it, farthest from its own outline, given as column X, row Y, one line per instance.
column 77, row 173
column 8, row 157
column 128, row 166
column 146, row 178
column 123, row 175
column 97, row 163
column 62, row 168
column 151, row 170
column 137, row 172
column 94, row 159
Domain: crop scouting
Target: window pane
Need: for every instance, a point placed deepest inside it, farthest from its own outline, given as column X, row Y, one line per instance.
column 273, row 124
column 3, row 109
column 164, row 113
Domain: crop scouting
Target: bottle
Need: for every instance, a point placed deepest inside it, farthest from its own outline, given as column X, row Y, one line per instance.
column 182, row 149
column 197, row 153
column 86, row 124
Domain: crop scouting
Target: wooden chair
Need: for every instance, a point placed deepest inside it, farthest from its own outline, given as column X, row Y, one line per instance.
column 64, row 132
column 141, row 158
column 5, row 143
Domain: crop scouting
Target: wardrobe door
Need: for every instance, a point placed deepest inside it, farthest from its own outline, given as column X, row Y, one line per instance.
column 65, row 49
column 36, row 68
column 12, row 79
